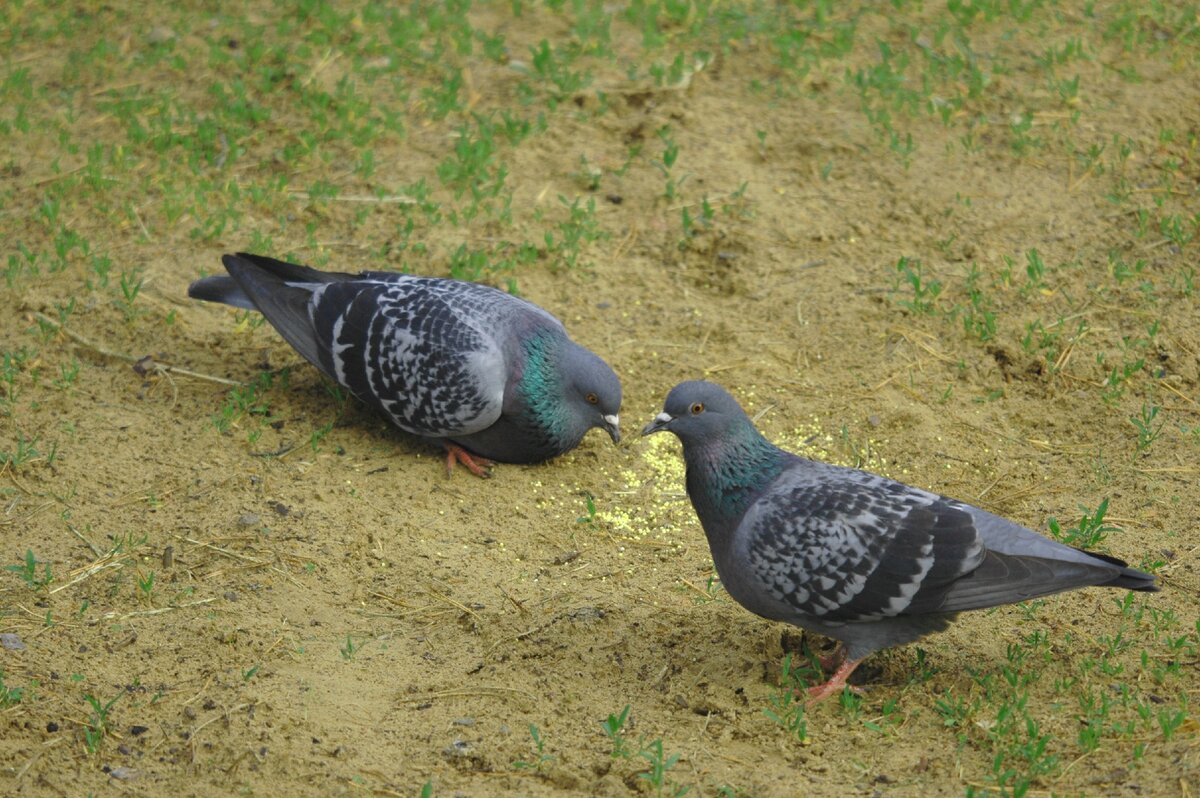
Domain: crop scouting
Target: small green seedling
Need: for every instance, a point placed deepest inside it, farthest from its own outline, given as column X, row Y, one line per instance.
column 614, row 727
column 24, row 453
column 1089, row 533
column 145, row 585
column 27, row 570
column 660, row 762
column 539, row 746
column 9, row 695
column 787, row 708
column 98, row 724
column 925, row 291
column 1147, row 430
column 590, row 510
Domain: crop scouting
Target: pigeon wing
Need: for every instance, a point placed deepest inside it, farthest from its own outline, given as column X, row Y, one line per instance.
column 434, row 355
column 846, row 546
column 416, row 348
column 843, row 546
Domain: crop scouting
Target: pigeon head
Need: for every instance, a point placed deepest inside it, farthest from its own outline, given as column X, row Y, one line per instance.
column 728, row 462
column 593, row 392
column 700, row 412
column 567, row 390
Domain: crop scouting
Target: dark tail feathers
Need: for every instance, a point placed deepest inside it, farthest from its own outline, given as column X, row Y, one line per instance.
column 277, row 289
column 223, row 289
column 1133, row 579
column 281, row 270
column 228, row 291
column 1128, row 578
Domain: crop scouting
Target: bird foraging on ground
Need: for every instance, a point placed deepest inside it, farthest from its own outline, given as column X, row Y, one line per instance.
column 490, row 376
column 863, row 559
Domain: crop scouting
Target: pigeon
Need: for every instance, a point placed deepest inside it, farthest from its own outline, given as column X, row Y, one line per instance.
column 490, row 376
column 862, row 559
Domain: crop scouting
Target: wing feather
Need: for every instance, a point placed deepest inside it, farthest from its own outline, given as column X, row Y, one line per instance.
column 416, row 351
column 845, row 546
column 434, row 355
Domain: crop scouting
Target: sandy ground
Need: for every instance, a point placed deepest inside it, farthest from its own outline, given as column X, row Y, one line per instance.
column 294, row 598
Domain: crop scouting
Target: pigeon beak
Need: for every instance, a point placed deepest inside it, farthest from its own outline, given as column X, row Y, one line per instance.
column 612, row 425
column 660, row 423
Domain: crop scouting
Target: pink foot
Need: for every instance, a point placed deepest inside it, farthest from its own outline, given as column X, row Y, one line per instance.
column 833, row 660
column 474, row 463
column 836, row 683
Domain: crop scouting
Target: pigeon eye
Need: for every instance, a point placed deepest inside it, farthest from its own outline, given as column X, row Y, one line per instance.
column 697, row 408
column 592, row 399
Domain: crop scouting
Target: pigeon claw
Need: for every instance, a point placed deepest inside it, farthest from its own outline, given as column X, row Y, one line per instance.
column 833, row 660
column 836, row 683
column 472, row 462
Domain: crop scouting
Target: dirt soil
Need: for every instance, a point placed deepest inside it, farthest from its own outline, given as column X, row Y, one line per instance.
column 329, row 614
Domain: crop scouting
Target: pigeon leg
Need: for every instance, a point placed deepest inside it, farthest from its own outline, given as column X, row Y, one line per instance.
column 474, row 463
column 835, row 684
column 834, row 659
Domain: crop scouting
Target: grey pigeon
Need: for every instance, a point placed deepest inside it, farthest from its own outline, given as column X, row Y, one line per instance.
column 865, row 560
column 490, row 376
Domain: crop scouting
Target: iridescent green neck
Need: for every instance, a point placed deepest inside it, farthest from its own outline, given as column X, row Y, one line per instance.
column 541, row 386
column 725, row 475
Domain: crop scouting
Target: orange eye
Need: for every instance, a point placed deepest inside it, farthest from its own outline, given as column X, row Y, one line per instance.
column 592, row 399
column 697, row 408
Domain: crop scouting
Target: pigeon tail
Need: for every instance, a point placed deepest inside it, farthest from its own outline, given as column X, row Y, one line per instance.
column 1128, row 577
column 282, row 292
column 1133, row 579
column 282, row 270
column 223, row 289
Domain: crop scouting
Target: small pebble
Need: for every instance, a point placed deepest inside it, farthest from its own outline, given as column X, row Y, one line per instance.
column 11, row 641
column 586, row 614
column 457, row 748
column 160, row 34
column 566, row 557
column 249, row 519
column 464, row 721
column 123, row 773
